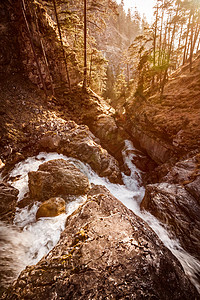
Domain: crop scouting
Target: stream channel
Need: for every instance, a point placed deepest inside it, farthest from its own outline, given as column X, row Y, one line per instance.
column 28, row 240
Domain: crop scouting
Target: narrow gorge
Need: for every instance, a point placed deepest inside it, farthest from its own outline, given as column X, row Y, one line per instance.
column 99, row 196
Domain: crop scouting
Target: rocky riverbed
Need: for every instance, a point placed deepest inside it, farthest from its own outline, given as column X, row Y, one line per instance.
column 45, row 129
column 105, row 251
column 72, row 185
column 105, row 239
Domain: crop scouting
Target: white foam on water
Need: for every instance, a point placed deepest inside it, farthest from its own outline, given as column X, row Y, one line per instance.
column 20, row 172
column 14, row 249
column 44, row 234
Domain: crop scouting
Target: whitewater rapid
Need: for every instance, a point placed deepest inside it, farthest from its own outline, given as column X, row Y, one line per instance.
column 29, row 240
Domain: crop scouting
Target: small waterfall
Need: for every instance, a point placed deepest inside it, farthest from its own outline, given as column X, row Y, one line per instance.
column 29, row 240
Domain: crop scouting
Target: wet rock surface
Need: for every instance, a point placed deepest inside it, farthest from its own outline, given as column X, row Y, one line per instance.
column 77, row 141
column 179, row 210
column 51, row 208
column 8, row 200
column 111, row 136
column 57, row 178
column 194, row 188
column 184, row 172
column 157, row 148
column 82, row 144
column 105, row 251
column 50, row 141
column 98, row 115
column 175, row 202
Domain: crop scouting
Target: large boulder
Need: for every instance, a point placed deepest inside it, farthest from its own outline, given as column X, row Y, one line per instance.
column 77, row 141
column 82, row 144
column 8, row 201
column 184, row 172
column 94, row 111
column 105, row 252
column 50, row 140
column 110, row 135
column 51, row 208
column 187, row 173
column 193, row 188
column 178, row 209
column 57, row 178
column 156, row 148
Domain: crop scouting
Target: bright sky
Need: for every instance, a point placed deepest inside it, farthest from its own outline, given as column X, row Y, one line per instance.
column 143, row 6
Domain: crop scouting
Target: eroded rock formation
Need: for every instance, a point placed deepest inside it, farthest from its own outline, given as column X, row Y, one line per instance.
column 51, row 208
column 8, row 200
column 57, row 178
column 77, row 141
column 105, row 251
column 175, row 201
column 174, row 206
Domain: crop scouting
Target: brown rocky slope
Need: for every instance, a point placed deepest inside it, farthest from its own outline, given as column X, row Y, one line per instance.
column 169, row 131
column 30, row 123
column 169, row 127
column 105, row 252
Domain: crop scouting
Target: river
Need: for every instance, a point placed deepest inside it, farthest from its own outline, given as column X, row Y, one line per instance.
column 28, row 240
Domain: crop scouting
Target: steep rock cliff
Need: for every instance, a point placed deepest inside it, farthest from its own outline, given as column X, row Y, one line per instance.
column 169, row 127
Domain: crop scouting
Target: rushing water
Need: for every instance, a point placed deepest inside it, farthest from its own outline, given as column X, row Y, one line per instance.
column 29, row 240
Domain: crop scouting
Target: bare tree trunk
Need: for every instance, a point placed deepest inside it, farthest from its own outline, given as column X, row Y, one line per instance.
column 198, row 45
column 170, row 51
column 186, row 40
column 187, row 51
column 90, row 75
column 160, row 40
column 85, row 46
column 61, row 42
column 196, row 35
column 179, row 44
column 169, row 34
column 155, row 37
column 43, row 51
column 164, row 44
column 32, row 46
column 191, row 42
column 154, row 42
column 128, row 73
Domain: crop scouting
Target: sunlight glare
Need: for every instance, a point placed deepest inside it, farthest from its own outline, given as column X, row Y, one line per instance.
column 144, row 7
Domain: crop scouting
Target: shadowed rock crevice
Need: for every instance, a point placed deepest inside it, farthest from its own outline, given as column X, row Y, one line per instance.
column 8, row 201
column 175, row 202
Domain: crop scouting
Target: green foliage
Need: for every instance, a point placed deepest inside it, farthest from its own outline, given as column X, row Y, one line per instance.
column 161, row 48
column 120, row 85
column 70, row 16
column 97, row 71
